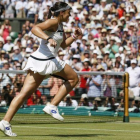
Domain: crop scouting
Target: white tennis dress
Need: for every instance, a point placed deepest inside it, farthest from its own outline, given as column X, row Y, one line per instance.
column 43, row 60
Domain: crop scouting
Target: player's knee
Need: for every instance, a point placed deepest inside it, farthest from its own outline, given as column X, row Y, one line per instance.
column 74, row 80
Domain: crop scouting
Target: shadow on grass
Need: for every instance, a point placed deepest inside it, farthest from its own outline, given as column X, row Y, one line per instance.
column 74, row 135
column 82, row 135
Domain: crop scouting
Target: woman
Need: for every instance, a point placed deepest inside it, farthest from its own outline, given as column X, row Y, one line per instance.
column 123, row 22
column 2, row 58
column 25, row 39
column 35, row 47
column 83, row 78
column 125, row 37
column 103, row 35
column 45, row 63
column 117, row 67
column 6, row 28
column 120, row 30
column 99, row 29
column 107, row 60
column 34, row 98
column 101, row 48
column 94, row 65
column 127, row 18
column 90, row 38
column 114, row 24
column 23, row 51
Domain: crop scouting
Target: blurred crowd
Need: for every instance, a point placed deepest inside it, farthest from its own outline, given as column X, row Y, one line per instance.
column 110, row 43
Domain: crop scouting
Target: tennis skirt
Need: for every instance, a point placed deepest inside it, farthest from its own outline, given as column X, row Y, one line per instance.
column 44, row 66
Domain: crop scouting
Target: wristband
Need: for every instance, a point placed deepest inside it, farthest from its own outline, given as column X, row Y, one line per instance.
column 48, row 39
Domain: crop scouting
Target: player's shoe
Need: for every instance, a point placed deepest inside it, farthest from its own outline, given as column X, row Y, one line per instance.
column 6, row 129
column 53, row 111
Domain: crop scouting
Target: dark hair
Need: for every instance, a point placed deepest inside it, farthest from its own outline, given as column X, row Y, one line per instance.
column 68, row 101
column 19, row 40
column 117, row 63
column 56, row 6
column 86, row 103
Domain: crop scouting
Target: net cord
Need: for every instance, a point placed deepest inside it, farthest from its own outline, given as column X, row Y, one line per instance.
column 79, row 73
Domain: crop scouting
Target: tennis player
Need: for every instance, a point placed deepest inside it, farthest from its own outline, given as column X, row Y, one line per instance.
column 43, row 62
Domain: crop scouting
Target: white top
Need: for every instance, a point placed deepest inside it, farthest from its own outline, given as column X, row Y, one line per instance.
column 45, row 3
column 46, row 51
column 19, row 5
column 74, row 103
column 134, row 76
column 6, row 79
column 107, row 7
column 7, row 47
column 32, row 7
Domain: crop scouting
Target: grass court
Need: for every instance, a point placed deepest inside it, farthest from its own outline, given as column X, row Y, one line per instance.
column 43, row 127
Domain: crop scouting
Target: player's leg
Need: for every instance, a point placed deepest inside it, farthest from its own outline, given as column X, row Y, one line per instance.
column 71, row 80
column 31, row 82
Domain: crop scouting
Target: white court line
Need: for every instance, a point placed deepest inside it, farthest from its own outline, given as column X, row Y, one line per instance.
column 123, row 123
column 60, row 128
column 9, row 139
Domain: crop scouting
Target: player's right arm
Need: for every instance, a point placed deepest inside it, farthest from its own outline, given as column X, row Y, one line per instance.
column 38, row 29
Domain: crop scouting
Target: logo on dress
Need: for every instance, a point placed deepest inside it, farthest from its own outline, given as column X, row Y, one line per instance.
column 7, row 128
column 53, row 111
column 61, row 34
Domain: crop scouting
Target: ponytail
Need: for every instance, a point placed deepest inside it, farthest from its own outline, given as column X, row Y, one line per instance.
column 49, row 14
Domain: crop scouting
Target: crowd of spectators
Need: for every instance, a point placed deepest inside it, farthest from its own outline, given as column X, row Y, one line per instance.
column 110, row 42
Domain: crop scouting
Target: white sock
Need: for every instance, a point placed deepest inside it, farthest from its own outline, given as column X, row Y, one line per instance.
column 5, row 122
column 52, row 106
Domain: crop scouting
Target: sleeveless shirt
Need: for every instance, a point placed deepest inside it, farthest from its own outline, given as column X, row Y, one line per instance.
column 45, row 50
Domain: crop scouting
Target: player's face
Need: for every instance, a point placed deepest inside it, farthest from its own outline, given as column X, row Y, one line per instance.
column 66, row 15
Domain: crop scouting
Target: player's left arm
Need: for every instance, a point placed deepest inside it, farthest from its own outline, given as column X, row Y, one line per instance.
column 67, row 42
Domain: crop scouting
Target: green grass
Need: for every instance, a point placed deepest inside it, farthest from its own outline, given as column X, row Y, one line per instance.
column 43, row 127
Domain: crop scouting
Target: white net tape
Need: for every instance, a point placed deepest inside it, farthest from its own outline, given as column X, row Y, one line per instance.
column 79, row 73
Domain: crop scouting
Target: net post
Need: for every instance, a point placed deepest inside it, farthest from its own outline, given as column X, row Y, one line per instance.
column 126, row 98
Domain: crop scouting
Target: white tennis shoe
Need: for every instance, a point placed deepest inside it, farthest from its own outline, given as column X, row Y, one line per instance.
column 53, row 111
column 6, row 129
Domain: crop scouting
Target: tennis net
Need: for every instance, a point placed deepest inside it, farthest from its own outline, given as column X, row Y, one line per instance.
column 101, row 100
